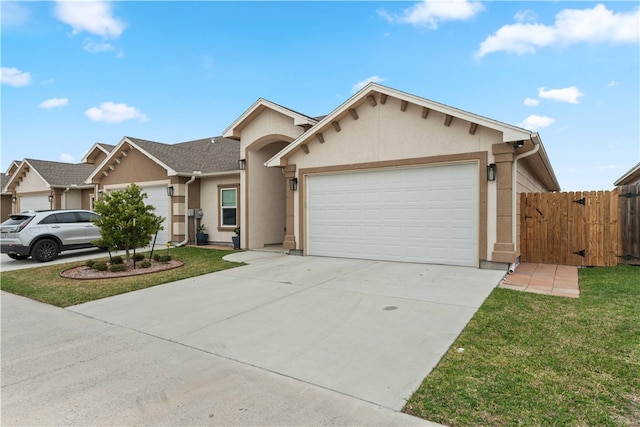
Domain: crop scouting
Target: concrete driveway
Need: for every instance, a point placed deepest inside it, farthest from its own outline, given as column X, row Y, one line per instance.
column 285, row 340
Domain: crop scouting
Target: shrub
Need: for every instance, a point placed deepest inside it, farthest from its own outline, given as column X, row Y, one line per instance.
column 165, row 258
column 145, row 264
column 117, row 260
column 89, row 263
column 138, row 257
column 157, row 257
column 117, row 267
column 100, row 266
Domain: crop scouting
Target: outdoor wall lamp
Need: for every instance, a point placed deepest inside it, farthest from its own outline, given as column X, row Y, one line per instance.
column 242, row 163
column 491, row 172
column 518, row 144
column 50, row 198
column 170, row 191
column 293, row 184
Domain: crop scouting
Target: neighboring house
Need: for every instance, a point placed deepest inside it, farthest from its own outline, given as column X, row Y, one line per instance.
column 42, row 184
column 632, row 177
column 180, row 180
column 387, row 176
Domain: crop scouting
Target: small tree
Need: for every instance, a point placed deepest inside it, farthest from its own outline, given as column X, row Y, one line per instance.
column 125, row 221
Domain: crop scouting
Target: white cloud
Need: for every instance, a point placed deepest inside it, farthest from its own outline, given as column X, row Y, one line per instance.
column 68, row 158
column 111, row 112
column 571, row 26
column 14, row 77
column 567, row 94
column 373, row 79
column 94, row 17
column 534, row 122
column 430, row 13
column 14, row 14
column 613, row 83
column 94, row 47
column 531, row 102
column 53, row 103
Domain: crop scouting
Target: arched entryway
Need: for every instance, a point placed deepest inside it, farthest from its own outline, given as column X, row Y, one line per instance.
column 264, row 196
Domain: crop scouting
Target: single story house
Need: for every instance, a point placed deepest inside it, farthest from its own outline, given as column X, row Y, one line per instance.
column 631, row 177
column 386, row 175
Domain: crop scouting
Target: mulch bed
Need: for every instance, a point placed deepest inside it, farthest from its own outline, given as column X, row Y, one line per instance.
column 86, row 273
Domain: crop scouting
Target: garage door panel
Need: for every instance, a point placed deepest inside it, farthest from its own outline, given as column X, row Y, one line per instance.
column 157, row 197
column 427, row 214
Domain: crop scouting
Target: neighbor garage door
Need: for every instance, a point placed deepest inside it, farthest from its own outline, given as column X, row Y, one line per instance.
column 34, row 203
column 157, row 197
column 425, row 214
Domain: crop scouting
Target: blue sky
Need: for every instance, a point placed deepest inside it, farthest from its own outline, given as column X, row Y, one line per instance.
column 76, row 73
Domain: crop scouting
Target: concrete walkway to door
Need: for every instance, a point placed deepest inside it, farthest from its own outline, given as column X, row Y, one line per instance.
column 370, row 330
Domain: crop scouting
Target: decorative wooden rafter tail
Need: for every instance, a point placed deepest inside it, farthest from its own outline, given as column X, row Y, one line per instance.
column 403, row 106
column 447, row 120
column 320, row 138
column 353, row 113
column 336, row 126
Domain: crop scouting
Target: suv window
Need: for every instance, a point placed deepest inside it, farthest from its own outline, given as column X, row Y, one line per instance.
column 17, row 219
column 87, row 216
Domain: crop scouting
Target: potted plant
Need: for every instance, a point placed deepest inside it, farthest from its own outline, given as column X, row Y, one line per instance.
column 201, row 235
column 236, row 239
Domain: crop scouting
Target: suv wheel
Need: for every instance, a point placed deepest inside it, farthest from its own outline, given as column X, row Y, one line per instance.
column 45, row 250
column 16, row 256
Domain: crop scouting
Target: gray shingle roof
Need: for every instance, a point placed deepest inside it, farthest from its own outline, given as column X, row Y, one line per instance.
column 59, row 174
column 199, row 155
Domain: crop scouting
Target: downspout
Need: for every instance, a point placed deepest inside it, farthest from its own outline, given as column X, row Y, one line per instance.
column 186, row 211
column 535, row 139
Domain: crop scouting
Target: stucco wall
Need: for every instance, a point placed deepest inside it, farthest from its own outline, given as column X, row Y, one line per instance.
column 385, row 133
column 31, row 183
column 209, row 189
column 136, row 167
column 268, row 126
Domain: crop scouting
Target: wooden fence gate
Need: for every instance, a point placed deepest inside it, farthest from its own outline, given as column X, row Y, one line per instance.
column 629, row 196
column 570, row 228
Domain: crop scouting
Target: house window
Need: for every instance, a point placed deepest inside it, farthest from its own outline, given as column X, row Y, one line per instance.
column 228, row 207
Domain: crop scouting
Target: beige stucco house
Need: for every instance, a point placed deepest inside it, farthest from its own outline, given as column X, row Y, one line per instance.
column 34, row 184
column 631, row 177
column 389, row 176
column 190, row 183
column 386, row 175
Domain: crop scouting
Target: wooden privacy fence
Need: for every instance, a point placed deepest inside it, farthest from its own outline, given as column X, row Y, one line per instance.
column 629, row 205
column 570, row 228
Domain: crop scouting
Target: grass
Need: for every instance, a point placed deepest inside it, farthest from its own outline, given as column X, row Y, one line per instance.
column 46, row 285
column 532, row 359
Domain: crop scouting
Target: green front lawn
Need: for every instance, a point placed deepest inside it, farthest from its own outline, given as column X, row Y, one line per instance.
column 532, row 359
column 46, row 285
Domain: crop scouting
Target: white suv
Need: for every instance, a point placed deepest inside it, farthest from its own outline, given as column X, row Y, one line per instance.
column 44, row 234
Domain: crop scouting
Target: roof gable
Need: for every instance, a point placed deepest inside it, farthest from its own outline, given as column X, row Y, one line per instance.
column 234, row 130
column 205, row 156
column 367, row 95
column 52, row 174
column 97, row 149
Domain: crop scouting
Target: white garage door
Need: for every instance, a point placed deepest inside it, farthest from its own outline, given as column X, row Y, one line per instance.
column 426, row 214
column 157, row 196
column 34, row 203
